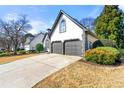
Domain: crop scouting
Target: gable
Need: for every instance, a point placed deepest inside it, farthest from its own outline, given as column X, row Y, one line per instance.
column 71, row 18
column 73, row 31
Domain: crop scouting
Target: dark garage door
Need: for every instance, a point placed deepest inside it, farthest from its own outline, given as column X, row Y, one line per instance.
column 57, row 47
column 73, row 47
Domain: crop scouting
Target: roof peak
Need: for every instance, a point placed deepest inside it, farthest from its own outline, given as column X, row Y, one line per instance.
column 71, row 18
column 61, row 10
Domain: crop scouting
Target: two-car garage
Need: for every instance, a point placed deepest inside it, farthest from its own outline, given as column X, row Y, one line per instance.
column 68, row 47
column 68, row 36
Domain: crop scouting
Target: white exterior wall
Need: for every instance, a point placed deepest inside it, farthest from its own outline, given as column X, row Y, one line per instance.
column 45, row 40
column 35, row 41
column 73, row 31
column 46, row 43
column 27, row 47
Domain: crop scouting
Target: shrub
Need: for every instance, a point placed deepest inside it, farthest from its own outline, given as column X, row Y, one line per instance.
column 39, row 47
column 1, row 52
column 122, row 45
column 21, row 52
column 97, row 43
column 121, row 52
column 4, row 54
column 19, row 49
column 31, row 51
column 104, row 42
column 103, row 55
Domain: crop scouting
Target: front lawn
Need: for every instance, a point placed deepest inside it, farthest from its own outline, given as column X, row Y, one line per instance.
column 85, row 75
column 7, row 59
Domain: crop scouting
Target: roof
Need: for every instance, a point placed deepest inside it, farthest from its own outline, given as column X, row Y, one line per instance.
column 73, row 20
column 37, row 36
column 28, row 39
column 92, row 33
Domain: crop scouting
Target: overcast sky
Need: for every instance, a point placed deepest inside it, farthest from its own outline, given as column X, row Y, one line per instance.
column 42, row 17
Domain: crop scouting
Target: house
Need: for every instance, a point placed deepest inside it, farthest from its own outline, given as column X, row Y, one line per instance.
column 29, row 38
column 37, row 39
column 68, row 36
column 32, row 41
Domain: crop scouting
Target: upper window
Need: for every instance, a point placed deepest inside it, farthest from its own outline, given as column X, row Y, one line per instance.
column 63, row 26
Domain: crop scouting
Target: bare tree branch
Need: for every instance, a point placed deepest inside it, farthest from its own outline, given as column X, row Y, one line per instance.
column 15, row 30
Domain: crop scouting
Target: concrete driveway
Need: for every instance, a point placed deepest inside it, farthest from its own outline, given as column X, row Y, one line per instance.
column 25, row 73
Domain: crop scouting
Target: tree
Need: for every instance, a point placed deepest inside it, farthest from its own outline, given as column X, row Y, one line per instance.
column 109, row 25
column 28, row 35
column 39, row 47
column 5, row 42
column 15, row 30
column 88, row 22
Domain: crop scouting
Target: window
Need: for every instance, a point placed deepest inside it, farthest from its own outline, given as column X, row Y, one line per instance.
column 62, row 26
column 90, row 45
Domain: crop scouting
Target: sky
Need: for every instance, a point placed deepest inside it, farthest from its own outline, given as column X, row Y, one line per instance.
column 42, row 17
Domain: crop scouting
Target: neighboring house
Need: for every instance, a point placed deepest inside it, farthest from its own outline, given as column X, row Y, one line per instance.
column 37, row 39
column 32, row 41
column 70, row 37
column 27, row 43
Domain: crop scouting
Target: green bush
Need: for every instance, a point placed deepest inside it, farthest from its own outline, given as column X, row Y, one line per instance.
column 4, row 54
column 21, row 52
column 103, row 55
column 39, row 47
column 1, row 52
column 31, row 51
column 104, row 42
column 121, row 52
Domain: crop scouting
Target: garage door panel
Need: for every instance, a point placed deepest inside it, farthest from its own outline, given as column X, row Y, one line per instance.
column 73, row 48
column 57, row 47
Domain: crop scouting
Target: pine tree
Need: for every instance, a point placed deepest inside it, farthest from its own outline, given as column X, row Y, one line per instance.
column 110, row 25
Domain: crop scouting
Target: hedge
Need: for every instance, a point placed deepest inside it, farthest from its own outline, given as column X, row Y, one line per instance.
column 104, row 42
column 103, row 55
column 21, row 52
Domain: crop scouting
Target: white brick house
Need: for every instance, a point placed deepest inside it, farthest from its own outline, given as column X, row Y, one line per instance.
column 70, row 37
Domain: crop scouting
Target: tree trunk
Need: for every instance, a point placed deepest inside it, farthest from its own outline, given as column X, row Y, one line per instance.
column 15, row 50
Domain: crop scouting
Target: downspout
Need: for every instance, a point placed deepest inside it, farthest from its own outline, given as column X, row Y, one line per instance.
column 84, row 40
